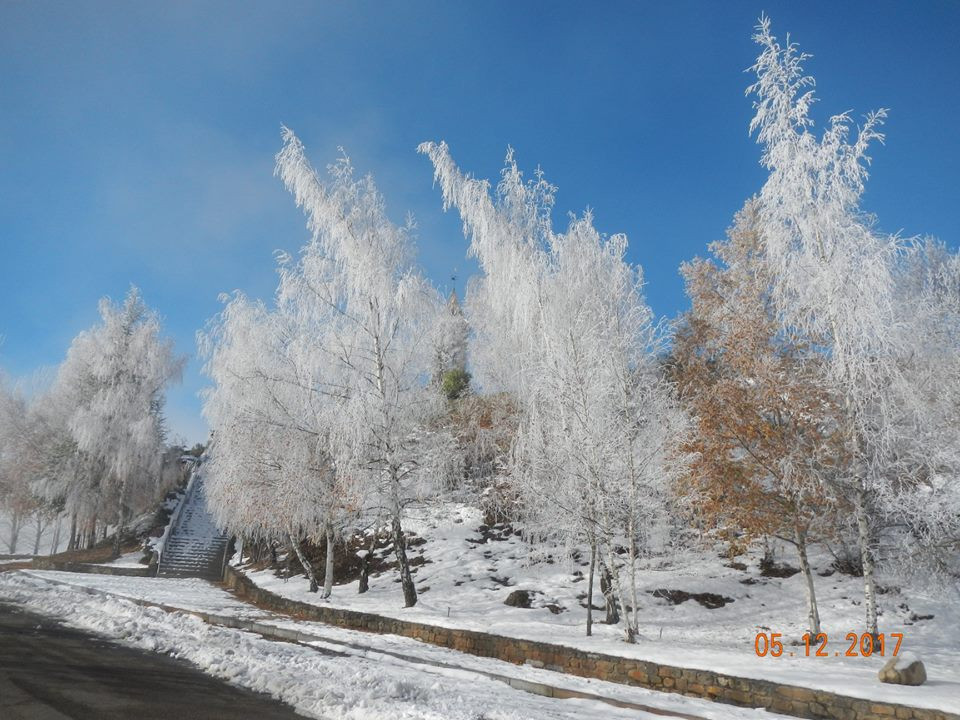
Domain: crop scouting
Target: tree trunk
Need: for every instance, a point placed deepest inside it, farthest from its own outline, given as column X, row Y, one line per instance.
column 633, row 616
column 399, row 544
column 768, row 558
column 39, row 533
column 14, row 532
column 610, row 600
column 55, row 543
column 365, row 566
column 403, row 564
column 74, row 539
column 92, row 533
column 307, row 567
column 121, row 519
column 328, row 572
column 593, row 567
column 618, row 589
column 866, row 558
column 813, row 614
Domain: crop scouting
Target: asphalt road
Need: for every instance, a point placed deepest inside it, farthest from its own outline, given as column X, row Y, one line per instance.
column 51, row 672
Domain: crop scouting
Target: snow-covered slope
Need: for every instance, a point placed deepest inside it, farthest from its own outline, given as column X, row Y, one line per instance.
column 468, row 570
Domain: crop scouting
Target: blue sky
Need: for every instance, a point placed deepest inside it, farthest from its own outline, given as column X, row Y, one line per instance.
column 137, row 139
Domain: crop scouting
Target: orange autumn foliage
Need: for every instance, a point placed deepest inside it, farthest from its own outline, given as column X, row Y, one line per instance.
column 766, row 438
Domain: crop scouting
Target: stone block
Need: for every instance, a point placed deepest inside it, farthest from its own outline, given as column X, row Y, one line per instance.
column 884, row 710
column 797, row 693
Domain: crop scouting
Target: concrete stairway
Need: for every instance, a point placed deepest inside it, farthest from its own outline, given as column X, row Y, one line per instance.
column 195, row 546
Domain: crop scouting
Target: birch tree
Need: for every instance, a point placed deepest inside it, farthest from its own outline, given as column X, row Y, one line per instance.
column 925, row 520
column 562, row 325
column 834, row 278
column 269, row 473
column 15, row 495
column 41, row 470
column 373, row 319
column 64, row 474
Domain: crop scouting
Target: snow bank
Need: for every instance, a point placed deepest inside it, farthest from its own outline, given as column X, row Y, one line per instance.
column 317, row 685
column 200, row 596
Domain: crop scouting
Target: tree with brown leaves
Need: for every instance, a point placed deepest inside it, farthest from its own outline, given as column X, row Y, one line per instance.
column 766, row 438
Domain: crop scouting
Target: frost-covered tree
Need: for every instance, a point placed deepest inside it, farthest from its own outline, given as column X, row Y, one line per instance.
column 331, row 389
column 16, row 497
column 44, row 472
column 269, row 474
column 562, row 326
column 117, row 373
column 834, row 278
column 377, row 320
column 926, row 518
column 64, row 474
column 451, row 344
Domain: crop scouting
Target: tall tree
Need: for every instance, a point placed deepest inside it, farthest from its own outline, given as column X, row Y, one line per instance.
column 565, row 330
column 64, row 474
column 765, row 446
column 16, row 497
column 118, row 372
column 834, row 277
column 925, row 520
column 353, row 335
column 269, row 474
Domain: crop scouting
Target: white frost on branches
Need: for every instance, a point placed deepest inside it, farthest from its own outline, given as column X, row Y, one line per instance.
column 561, row 324
column 116, row 374
column 330, row 389
column 835, row 279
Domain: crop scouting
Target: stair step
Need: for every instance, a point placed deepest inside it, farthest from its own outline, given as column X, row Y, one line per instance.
column 195, row 546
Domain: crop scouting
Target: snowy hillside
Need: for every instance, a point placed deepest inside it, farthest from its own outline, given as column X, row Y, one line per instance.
column 468, row 570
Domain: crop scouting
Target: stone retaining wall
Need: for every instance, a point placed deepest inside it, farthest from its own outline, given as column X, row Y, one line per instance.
column 45, row 563
column 746, row 692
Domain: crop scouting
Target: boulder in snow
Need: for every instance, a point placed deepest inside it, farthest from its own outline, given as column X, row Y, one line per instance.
column 905, row 669
column 518, row 598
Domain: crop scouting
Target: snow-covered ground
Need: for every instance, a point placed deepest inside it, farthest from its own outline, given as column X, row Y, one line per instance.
column 190, row 594
column 13, row 561
column 463, row 583
column 330, row 679
column 127, row 560
column 27, row 536
column 465, row 575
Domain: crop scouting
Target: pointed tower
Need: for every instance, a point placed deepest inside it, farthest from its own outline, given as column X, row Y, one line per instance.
column 451, row 349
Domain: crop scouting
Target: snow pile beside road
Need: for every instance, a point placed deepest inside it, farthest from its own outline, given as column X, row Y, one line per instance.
column 322, row 686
